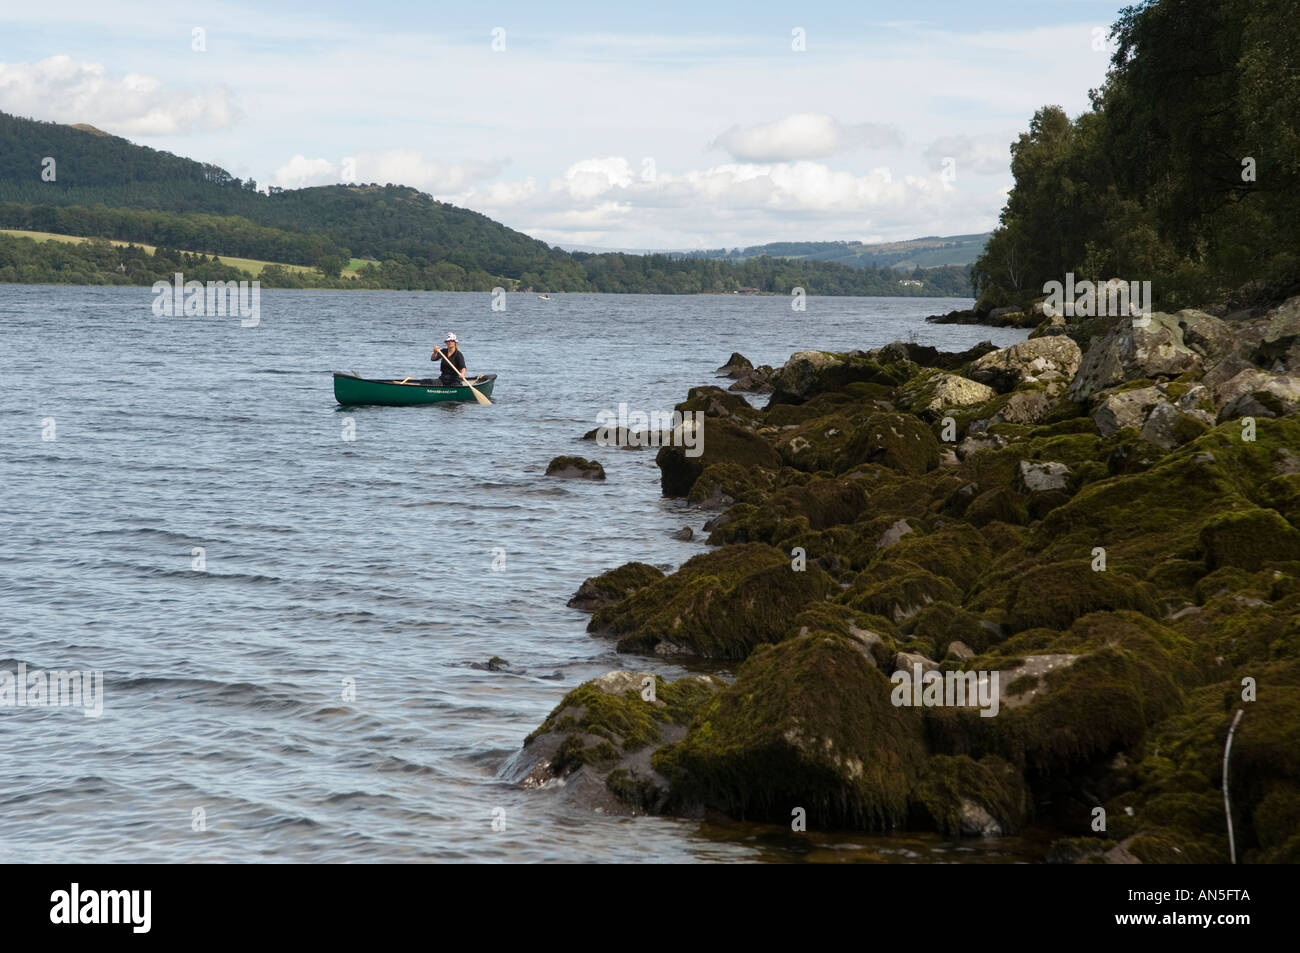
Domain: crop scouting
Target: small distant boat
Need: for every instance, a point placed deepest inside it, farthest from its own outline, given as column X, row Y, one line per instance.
column 545, row 297
column 352, row 390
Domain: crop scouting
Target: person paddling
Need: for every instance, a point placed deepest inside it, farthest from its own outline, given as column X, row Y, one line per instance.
column 452, row 363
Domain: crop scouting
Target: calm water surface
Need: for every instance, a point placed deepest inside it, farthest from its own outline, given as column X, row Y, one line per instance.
column 329, row 560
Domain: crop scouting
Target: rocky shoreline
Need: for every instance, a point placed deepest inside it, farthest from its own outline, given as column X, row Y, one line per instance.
column 1100, row 521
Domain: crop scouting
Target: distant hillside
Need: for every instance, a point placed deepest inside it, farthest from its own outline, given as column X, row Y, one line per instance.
column 104, row 186
column 931, row 252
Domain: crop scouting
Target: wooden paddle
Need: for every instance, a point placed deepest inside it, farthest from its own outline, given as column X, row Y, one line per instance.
column 478, row 395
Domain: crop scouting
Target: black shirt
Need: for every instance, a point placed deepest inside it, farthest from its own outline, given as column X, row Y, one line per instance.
column 458, row 360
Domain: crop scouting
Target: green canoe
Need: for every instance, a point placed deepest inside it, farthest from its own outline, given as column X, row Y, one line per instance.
column 349, row 389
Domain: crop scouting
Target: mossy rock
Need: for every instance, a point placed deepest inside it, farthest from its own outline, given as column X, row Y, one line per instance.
column 823, row 502
column 714, row 402
column 898, row 590
column 720, row 441
column 722, row 483
column 1249, row 539
column 719, row 604
column 606, row 728
column 575, row 468
column 807, row 724
column 898, row 441
column 1055, row 595
column 1078, row 850
column 874, row 635
column 947, row 784
column 959, row 553
column 808, row 374
column 609, row 587
column 1001, row 504
column 942, row 623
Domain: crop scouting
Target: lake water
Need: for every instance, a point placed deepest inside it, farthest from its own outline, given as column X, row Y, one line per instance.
column 328, row 563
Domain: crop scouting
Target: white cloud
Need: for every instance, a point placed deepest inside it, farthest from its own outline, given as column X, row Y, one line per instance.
column 300, row 172
column 63, row 90
column 988, row 154
column 804, row 136
column 603, row 201
column 398, row 166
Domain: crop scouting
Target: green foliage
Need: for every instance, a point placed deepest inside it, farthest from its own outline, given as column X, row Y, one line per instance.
column 1148, row 185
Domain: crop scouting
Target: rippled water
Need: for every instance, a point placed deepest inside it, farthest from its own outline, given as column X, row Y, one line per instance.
column 329, row 559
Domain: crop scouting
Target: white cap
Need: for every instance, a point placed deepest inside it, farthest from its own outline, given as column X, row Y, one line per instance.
column 450, row 337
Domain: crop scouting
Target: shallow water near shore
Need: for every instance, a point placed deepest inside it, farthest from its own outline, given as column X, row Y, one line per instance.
column 330, row 563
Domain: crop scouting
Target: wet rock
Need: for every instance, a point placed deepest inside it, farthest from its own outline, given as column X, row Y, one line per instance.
column 757, row 381
column 719, row 604
column 496, row 664
column 809, row 373
column 721, row 441
column 808, row 723
column 959, row 796
column 686, row 534
column 736, row 365
column 599, row 740
column 575, row 468
column 614, row 585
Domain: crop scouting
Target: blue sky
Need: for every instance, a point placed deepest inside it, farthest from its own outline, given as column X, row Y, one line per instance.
column 649, row 125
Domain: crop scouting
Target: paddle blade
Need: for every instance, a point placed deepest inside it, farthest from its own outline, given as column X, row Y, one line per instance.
column 479, row 396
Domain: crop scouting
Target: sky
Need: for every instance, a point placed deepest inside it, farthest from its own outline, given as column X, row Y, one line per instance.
column 638, row 126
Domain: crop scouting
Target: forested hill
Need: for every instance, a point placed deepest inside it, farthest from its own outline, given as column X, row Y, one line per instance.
column 104, row 186
column 915, row 253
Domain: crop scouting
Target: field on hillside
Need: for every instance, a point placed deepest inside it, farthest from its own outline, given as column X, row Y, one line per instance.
column 253, row 266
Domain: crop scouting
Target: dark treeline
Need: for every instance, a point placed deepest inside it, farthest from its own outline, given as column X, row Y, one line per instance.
column 104, row 186
column 1185, row 171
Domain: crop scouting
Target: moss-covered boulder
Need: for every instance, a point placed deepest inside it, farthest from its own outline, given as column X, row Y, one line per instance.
column 575, row 468
column 1055, row 595
column 898, row 441
column 600, row 737
column 932, row 393
column 719, row 441
column 898, row 590
column 609, row 587
column 719, row 604
column 961, row 796
column 807, row 724
column 809, row 373
column 1249, row 539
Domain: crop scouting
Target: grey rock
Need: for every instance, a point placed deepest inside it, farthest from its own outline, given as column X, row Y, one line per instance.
column 892, row 535
column 1205, row 334
column 1042, row 358
column 1040, row 477
column 1126, row 409
column 1148, row 347
column 974, row 820
column 907, row 662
